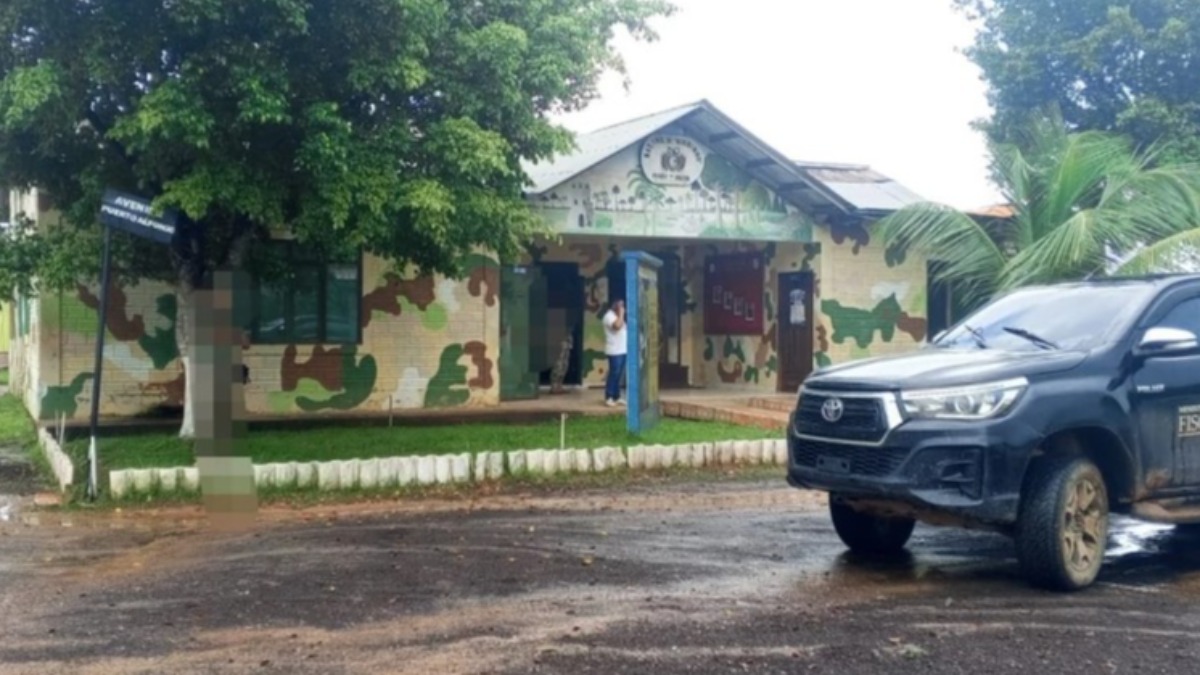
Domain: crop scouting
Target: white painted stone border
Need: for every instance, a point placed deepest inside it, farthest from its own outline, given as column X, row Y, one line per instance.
column 464, row 468
column 60, row 463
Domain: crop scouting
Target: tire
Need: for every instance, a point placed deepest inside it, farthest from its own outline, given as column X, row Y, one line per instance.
column 1062, row 529
column 868, row 534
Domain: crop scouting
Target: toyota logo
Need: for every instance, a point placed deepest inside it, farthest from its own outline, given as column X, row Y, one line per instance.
column 832, row 410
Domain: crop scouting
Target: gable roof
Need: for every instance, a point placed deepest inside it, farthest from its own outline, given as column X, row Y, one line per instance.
column 703, row 122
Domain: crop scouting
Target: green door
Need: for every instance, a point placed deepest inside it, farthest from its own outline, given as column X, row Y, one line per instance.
column 521, row 335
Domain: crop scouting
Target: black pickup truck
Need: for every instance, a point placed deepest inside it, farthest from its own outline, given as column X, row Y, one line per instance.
column 1038, row 416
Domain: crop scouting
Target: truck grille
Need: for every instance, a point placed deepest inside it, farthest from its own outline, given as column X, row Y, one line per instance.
column 863, row 461
column 862, row 419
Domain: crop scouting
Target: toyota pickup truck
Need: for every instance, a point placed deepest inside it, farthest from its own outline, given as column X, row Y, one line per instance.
column 1038, row 416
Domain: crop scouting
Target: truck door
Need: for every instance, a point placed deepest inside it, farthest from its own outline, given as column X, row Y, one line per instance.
column 1166, row 403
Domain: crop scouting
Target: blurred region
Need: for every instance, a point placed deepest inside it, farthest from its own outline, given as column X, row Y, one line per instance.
column 226, row 478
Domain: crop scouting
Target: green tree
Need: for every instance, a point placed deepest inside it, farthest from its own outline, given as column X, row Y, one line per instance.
column 394, row 126
column 1127, row 66
column 1077, row 198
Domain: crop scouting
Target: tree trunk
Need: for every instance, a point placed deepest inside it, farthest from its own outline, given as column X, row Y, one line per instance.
column 184, row 335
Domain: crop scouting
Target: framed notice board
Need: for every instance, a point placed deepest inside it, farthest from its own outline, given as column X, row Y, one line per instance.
column 733, row 294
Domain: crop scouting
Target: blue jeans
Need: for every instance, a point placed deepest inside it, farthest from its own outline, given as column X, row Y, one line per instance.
column 616, row 368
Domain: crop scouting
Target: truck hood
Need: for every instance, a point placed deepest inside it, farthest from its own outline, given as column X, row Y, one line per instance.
column 934, row 368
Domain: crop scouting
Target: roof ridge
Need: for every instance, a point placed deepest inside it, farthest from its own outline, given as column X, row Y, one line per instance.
column 639, row 118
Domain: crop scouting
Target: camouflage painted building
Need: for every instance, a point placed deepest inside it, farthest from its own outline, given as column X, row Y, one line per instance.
column 771, row 269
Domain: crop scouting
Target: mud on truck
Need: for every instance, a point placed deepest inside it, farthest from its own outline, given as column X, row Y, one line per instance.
column 1038, row 416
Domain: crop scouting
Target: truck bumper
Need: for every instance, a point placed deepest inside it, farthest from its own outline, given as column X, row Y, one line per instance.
column 970, row 471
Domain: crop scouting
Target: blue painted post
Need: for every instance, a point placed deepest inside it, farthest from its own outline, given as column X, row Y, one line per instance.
column 642, row 317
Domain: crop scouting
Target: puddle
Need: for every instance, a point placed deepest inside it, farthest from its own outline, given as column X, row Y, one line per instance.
column 1130, row 537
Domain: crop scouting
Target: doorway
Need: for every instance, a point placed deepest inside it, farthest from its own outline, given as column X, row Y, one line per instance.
column 794, row 337
column 672, row 373
column 564, row 316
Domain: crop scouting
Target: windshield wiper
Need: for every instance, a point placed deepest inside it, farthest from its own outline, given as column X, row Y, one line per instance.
column 977, row 334
column 1032, row 337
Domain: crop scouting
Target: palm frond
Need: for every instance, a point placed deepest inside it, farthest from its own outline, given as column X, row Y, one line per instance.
column 1177, row 253
column 1078, row 179
column 970, row 258
column 1157, row 202
column 1071, row 250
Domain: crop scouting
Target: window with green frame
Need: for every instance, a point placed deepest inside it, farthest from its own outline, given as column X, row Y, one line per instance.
column 307, row 299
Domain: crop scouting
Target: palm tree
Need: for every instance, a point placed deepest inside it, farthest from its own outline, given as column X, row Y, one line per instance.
column 1075, row 199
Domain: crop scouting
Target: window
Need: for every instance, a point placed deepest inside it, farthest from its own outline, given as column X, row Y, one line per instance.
column 308, row 299
column 1186, row 315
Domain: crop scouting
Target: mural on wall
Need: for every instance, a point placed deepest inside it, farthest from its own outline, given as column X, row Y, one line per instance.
column 888, row 318
column 141, row 353
column 452, row 384
column 408, row 322
column 671, row 186
column 877, row 306
column 329, row 379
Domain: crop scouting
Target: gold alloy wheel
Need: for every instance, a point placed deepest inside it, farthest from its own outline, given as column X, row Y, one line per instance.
column 1085, row 522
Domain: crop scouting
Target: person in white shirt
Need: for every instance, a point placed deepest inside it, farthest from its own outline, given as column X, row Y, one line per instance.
column 615, row 347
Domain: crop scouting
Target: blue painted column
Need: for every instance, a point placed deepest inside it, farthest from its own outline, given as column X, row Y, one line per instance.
column 642, row 317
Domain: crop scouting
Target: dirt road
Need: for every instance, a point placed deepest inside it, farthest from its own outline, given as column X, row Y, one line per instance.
column 715, row 578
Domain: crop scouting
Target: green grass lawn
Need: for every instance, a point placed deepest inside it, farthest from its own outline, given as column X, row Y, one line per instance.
column 15, row 426
column 166, row 450
column 3, row 377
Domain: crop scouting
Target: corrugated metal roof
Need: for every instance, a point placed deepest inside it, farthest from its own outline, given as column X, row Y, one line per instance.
column 861, row 186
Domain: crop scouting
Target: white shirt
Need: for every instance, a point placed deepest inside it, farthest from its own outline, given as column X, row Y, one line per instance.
column 615, row 340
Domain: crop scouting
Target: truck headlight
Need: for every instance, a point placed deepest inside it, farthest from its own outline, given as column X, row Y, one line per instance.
column 974, row 402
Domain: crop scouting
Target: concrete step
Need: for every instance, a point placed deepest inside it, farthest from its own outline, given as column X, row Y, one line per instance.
column 783, row 404
column 728, row 412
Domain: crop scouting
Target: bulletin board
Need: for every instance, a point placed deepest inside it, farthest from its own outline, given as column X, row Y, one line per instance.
column 733, row 294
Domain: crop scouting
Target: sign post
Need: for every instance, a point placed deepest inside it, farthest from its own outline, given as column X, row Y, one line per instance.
column 131, row 214
column 642, row 313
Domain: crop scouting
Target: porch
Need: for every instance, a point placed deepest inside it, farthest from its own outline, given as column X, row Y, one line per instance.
column 733, row 318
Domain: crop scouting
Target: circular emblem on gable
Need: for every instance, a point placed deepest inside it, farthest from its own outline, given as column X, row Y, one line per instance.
column 673, row 160
column 832, row 410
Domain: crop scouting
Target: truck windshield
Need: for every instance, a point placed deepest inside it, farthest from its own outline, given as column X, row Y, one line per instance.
column 1049, row 318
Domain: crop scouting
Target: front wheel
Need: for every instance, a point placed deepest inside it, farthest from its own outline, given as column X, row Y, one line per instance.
column 1062, row 530
column 869, row 534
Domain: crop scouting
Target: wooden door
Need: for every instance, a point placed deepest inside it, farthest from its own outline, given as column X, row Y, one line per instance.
column 794, row 337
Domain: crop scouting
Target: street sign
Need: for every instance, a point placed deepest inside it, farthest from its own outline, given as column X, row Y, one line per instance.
column 132, row 214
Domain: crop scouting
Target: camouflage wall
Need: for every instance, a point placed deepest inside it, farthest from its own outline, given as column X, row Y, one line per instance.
column 871, row 301
column 427, row 342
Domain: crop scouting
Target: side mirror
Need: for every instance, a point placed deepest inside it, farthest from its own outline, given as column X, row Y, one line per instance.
column 1167, row 341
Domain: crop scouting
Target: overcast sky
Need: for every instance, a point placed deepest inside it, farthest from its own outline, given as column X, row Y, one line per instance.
column 876, row 82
